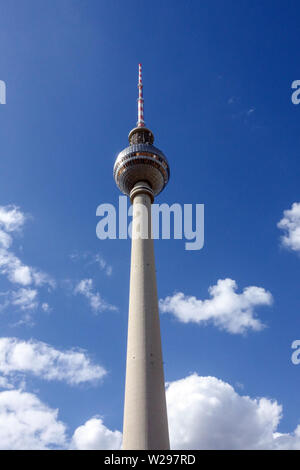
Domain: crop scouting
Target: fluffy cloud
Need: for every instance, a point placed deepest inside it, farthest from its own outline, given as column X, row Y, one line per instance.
column 26, row 298
column 85, row 288
column 27, row 423
column 18, row 273
column 93, row 435
column 11, row 218
column 42, row 360
column 226, row 309
column 203, row 413
column 290, row 224
column 207, row 413
column 5, row 239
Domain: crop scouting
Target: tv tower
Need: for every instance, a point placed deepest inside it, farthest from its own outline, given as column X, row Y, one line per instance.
column 141, row 171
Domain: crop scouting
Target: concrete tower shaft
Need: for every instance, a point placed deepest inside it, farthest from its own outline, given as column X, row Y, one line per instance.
column 142, row 171
column 145, row 412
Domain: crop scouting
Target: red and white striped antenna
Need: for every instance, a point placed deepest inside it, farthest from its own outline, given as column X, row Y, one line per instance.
column 141, row 122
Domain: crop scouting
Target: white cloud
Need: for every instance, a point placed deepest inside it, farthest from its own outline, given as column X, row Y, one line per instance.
column 14, row 269
column 85, row 288
column 290, row 224
column 11, row 221
column 5, row 239
column 11, row 218
column 108, row 270
column 40, row 279
column 207, row 413
column 24, row 298
column 226, row 309
column 42, row 360
column 4, row 383
column 22, row 275
column 91, row 258
column 203, row 413
column 18, row 273
column 45, row 307
column 27, row 423
column 103, row 264
column 93, row 435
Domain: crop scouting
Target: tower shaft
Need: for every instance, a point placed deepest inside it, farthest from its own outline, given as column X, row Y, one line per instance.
column 145, row 414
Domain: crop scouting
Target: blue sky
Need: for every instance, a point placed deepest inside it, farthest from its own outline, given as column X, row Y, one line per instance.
column 217, row 87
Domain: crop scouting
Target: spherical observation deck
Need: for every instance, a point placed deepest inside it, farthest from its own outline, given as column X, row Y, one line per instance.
column 141, row 161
